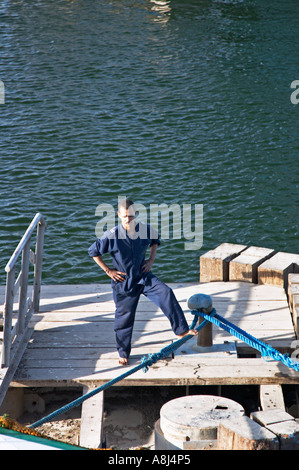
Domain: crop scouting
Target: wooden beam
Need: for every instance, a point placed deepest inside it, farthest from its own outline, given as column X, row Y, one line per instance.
column 245, row 266
column 182, row 370
column 245, row 434
column 91, row 432
column 275, row 270
column 214, row 263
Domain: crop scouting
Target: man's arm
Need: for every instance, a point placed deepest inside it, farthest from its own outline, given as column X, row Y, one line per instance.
column 113, row 273
column 149, row 262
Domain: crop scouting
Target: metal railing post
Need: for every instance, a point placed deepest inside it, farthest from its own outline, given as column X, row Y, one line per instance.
column 8, row 311
column 25, row 306
column 38, row 266
column 23, row 287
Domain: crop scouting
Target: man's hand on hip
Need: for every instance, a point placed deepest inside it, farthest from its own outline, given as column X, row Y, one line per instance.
column 116, row 275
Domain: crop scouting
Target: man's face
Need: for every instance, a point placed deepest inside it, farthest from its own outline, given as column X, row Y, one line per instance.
column 127, row 217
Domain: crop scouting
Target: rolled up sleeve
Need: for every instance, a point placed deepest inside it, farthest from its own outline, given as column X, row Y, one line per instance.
column 99, row 247
column 154, row 237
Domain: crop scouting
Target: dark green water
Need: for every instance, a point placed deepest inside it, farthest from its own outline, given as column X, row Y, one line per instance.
column 175, row 102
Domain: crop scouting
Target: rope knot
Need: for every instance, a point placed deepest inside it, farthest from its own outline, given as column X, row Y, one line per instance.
column 149, row 360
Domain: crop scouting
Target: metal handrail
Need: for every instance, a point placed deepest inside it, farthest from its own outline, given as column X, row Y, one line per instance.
column 26, row 306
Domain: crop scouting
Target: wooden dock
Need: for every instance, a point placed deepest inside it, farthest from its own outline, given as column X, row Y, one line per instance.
column 73, row 339
column 62, row 335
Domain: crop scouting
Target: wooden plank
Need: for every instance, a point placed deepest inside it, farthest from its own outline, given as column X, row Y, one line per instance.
column 90, row 293
column 249, row 308
column 245, row 266
column 102, row 334
column 91, row 430
column 36, row 355
column 271, row 396
column 245, row 434
column 254, row 312
column 243, row 371
column 261, row 319
column 141, row 348
column 56, row 290
column 86, row 361
column 99, row 333
column 214, row 263
column 275, row 270
column 226, row 309
column 233, row 290
column 178, row 371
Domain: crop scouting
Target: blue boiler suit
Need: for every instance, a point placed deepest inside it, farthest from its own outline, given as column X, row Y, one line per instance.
column 128, row 256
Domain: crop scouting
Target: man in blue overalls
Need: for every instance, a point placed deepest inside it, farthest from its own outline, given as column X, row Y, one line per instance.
column 131, row 276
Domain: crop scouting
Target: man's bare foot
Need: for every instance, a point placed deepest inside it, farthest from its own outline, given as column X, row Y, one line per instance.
column 123, row 361
column 188, row 332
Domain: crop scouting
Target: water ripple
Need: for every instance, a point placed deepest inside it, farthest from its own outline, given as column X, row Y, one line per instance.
column 166, row 102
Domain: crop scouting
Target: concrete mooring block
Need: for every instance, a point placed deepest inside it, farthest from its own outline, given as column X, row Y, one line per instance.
column 193, row 421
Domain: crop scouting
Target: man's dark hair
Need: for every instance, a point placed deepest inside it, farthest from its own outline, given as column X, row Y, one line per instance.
column 125, row 203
